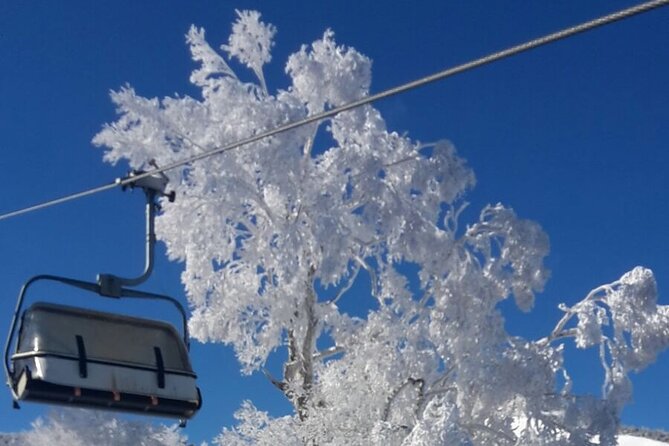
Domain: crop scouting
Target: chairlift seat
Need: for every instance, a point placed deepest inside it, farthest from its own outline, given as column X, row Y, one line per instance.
column 86, row 358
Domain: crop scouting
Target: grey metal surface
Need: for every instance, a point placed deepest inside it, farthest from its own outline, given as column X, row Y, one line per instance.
column 52, row 328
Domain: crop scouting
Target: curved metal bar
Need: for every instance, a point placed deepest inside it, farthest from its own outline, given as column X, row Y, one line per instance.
column 110, row 284
column 146, row 295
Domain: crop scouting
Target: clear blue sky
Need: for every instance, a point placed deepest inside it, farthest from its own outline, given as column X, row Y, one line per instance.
column 573, row 135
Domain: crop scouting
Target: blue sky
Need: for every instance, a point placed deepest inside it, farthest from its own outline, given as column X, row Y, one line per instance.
column 572, row 135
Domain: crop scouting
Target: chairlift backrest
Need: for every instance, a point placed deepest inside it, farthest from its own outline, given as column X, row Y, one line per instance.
column 52, row 329
column 87, row 358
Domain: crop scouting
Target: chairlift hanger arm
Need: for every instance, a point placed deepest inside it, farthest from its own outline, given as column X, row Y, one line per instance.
column 153, row 187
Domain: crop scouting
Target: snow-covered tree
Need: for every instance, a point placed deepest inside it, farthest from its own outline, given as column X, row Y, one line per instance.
column 275, row 235
column 86, row 428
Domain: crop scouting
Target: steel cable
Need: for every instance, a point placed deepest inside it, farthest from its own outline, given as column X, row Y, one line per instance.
column 544, row 40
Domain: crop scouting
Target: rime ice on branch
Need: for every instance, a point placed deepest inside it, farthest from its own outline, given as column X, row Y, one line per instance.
column 77, row 427
column 262, row 228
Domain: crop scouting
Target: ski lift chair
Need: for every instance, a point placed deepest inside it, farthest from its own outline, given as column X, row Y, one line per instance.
column 86, row 358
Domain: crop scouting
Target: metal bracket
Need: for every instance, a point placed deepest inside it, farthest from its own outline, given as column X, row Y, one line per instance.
column 156, row 182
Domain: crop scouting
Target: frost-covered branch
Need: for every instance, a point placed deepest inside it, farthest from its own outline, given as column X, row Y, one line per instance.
column 250, row 42
column 418, row 382
column 275, row 382
column 473, row 427
column 372, row 275
column 328, row 352
column 349, row 284
column 593, row 296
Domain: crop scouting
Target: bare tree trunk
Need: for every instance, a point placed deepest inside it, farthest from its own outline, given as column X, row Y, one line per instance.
column 308, row 348
column 299, row 368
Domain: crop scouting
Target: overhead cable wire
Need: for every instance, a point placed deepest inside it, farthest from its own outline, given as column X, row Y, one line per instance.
column 60, row 200
column 493, row 57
